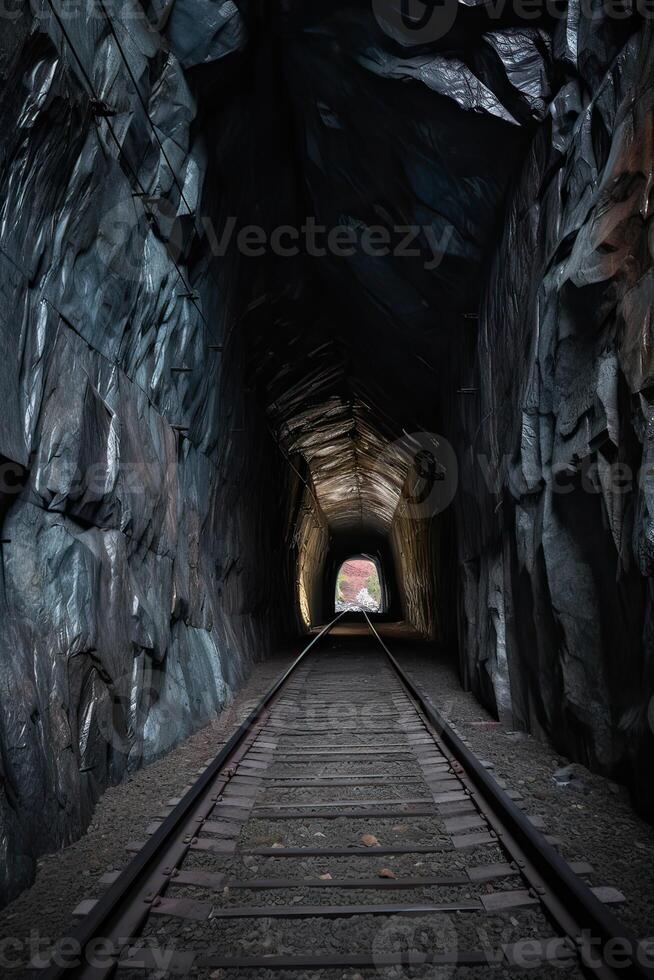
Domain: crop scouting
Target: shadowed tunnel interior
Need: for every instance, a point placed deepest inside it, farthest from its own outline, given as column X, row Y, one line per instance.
column 328, row 136
column 282, row 285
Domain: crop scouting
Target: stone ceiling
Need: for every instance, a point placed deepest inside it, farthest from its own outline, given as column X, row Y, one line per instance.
column 349, row 352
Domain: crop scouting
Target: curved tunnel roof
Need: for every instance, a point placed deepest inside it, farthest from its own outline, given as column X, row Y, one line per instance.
column 418, row 141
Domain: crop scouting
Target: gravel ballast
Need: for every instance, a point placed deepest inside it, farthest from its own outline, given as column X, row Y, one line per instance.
column 592, row 817
column 586, row 815
column 37, row 918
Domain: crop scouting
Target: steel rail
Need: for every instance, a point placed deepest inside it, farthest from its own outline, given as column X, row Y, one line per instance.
column 569, row 900
column 101, row 920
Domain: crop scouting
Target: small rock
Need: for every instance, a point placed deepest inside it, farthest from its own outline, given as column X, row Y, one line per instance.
column 564, row 775
column 567, row 778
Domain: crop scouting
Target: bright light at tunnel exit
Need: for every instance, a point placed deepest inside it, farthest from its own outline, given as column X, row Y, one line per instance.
column 358, row 587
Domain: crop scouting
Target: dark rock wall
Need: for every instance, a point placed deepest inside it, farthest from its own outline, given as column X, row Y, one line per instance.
column 139, row 481
column 554, row 515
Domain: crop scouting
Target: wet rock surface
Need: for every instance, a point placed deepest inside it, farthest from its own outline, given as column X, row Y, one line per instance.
column 553, row 522
column 132, row 594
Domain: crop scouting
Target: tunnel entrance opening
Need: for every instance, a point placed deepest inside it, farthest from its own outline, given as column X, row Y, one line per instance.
column 359, row 586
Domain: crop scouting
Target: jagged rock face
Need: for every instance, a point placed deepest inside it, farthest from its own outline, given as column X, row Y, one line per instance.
column 134, row 592
column 555, row 523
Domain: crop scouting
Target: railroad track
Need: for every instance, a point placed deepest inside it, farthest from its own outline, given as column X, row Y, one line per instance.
column 346, row 826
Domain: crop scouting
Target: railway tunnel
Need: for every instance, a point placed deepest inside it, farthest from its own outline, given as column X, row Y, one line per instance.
column 288, row 284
